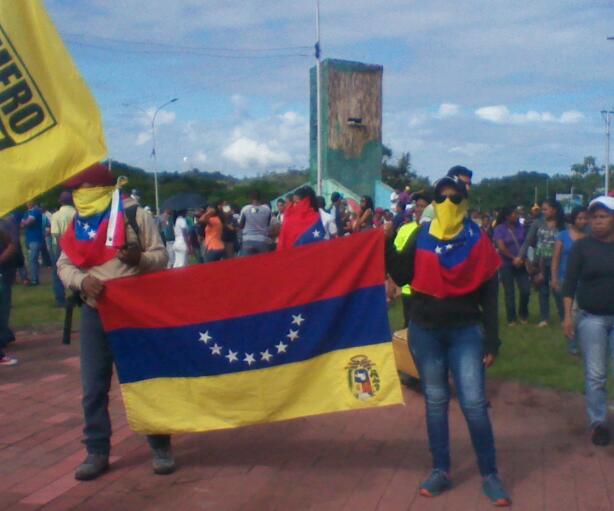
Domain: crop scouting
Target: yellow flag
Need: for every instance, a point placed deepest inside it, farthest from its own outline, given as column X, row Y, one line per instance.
column 50, row 126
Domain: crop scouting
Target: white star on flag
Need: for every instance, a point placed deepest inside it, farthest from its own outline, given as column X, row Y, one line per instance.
column 232, row 356
column 281, row 347
column 292, row 335
column 438, row 250
column 449, row 247
column 91, row 234
column 215, row 349
column 265, row 355
column 316, row 233
column 298, row 319
column 205, row 337
column 249, row 358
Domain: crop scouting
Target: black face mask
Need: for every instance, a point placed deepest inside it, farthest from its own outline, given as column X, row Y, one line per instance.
column 455, row 199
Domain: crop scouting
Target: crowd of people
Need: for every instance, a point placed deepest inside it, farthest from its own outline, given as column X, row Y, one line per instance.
column 448, row 261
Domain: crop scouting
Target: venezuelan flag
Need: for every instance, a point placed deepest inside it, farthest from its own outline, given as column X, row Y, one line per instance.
column 455, row 267
column 95, row 239
column 251, row 340
column 302, row 225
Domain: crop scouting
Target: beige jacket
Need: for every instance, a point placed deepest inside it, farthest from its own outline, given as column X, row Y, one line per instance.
column 154, row 256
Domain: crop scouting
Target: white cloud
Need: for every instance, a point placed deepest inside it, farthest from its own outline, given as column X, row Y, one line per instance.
column 143, row 137
column 200, row 157
column 500, row 114
column 163, row 117
column 470, row 149
column 246, row 152
column 571, row 117
column 447, row 110
column 416, row 120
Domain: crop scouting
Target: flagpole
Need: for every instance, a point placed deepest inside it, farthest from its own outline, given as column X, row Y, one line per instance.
column 318, row 100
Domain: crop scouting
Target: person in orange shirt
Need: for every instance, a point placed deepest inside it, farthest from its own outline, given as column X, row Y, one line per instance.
column 212, row 219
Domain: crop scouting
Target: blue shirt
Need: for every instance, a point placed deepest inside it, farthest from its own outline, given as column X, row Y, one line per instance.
column 566, row 242
column 34, row 231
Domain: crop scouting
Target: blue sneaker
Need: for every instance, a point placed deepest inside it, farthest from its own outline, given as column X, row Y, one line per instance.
column 437, row 483
column 494, row 490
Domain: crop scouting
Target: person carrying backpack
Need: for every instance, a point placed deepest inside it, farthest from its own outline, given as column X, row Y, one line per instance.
column 86, row 263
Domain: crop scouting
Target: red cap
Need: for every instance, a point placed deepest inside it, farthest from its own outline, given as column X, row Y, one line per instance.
column 97, row 175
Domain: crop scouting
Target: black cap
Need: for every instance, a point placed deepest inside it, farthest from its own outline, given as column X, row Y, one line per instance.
column 459, row 170
column 453, row 182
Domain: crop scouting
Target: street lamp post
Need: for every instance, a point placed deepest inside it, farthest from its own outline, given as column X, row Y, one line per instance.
column 607, row 119
column 319, row 103
column 153, row 151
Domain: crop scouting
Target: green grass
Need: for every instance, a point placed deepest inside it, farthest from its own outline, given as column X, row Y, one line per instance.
column 531, row 355
column 34, row 308
column 534, row 356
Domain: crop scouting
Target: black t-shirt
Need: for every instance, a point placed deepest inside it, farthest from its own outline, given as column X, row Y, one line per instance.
column 590, row 275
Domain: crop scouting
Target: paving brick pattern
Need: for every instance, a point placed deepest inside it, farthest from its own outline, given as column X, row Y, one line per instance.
column 372, row 460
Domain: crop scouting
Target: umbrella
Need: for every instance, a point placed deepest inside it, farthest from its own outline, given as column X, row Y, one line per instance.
column 184, row 201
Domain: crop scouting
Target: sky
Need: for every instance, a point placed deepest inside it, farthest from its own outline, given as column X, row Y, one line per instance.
column 499, row 86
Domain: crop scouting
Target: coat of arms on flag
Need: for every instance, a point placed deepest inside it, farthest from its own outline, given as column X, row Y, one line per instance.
column 234, row 343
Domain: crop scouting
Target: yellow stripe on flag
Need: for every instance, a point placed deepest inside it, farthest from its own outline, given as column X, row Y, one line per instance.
column 320, row 385
column 50, row 126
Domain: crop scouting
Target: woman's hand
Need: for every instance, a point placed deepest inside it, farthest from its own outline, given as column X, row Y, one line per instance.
column 554, row 284
column 388, row 231
column 489, row 360
column 517, row 262
column 568, row 327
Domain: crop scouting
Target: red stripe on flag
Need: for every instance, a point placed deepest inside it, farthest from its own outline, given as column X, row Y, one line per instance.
column 433, row 279
column 245, row 286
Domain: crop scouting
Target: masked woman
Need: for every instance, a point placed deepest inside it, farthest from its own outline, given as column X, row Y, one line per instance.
column 452, row 269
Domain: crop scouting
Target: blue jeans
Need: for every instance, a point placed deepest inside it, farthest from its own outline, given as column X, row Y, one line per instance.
column 509, row 275
column 459, row 351
column 212, row 256
column 96, row 373
column 34, row 250
column 544, row 297
column 596, row 337
column 255, row 247
column 6, row 285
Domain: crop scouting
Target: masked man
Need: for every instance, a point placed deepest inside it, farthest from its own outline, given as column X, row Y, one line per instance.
column 92, row 253
column 453, row 327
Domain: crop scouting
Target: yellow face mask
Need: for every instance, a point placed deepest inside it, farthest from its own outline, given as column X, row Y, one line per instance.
column 448, row 221
column 91, row 201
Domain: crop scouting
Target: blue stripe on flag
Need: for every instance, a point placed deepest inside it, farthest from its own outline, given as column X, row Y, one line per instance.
column 452, row 252
column 252, row 342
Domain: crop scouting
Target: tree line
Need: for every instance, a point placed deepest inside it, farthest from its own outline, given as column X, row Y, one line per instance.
column 522, row 188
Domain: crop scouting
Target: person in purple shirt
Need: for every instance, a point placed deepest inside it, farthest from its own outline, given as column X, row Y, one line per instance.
column 508, row 237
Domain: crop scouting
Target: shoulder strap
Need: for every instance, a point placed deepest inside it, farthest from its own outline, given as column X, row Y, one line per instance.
column 514, row 238
column 130, row 213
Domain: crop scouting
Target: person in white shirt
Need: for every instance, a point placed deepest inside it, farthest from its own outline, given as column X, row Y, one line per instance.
column 328, row 221
column 180, row 246
column 394, row 198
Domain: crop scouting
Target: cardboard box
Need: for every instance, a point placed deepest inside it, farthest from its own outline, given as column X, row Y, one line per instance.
column 402, row 355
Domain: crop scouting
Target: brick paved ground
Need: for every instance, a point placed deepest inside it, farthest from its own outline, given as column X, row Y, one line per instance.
column 368, row 460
